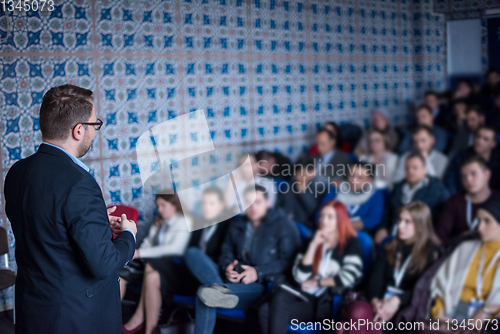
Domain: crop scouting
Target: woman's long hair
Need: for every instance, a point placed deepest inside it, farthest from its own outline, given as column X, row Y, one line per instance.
column 426, row 240
column 172, row 199
column 345, row 230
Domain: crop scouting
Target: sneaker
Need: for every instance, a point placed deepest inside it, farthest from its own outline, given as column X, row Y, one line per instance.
column 218, row 296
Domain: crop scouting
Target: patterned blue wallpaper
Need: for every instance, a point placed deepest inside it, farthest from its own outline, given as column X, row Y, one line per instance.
column 266, row 72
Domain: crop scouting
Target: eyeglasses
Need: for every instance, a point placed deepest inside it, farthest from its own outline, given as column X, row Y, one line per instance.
column 97, row 125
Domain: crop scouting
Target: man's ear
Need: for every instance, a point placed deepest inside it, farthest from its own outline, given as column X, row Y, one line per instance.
column 77, row 132
column 488, row 174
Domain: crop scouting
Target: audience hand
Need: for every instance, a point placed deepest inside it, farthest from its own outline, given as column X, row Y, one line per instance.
column 388, row 309
column 128, row 224
column 310, row 283
column 318, row 238
column 376, row 304
column 231, row 274
column 136, row 254
column 249, row 275
column 380, row 236
column 442, row 319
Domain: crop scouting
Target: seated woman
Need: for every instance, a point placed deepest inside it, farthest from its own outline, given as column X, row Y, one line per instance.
column 380, row 155
column 398, row 266
column 168, row 237
column 467, row 285
column 333, row 259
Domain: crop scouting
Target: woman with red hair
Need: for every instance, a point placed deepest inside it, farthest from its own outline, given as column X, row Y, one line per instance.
column 333, row 259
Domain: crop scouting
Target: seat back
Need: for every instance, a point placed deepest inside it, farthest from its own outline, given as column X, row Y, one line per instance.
column 130, row 212
column 367, row 249
column 305, row 233
column 4, row 241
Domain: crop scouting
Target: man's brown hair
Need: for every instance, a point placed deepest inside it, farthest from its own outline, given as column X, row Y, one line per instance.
column 62, row 108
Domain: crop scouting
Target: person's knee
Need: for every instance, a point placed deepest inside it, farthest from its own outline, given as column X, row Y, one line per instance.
column 148, row 269
column 192, row 253
column 153, row 278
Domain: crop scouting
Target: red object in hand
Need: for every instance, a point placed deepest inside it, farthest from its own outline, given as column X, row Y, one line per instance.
column 130, row 212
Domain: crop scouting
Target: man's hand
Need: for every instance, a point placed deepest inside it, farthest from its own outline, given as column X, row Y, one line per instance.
column 114, row 221
column 128, row 224
column 249, row 275
column 231, row 274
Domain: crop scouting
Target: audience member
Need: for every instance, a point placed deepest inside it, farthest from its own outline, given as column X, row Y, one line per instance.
column 167, row 240
column 333, row 128
column 439, row 113
column 423, row 142
column 493, row 115
column 274, row 165
column 363, row 201
column 330, row 161
column 380, row 155
column 167, row 235
column 485, row 145
column 474, row 119
column 465, row 90
column 424, row 117
column 466, row 285
column 456, row 120
column 459, row 212
column 417, row 186
column 244, row 178
column 486, row 93
column 260, row 243
column 379, row 122
column 302, row 198
column 400, row 264
column 333, row 259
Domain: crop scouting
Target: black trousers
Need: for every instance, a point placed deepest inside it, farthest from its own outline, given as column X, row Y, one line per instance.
column 283, row 307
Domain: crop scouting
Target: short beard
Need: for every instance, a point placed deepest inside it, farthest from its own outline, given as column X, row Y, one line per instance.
column 83, row 148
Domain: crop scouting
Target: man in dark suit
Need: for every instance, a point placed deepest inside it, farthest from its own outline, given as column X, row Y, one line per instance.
column 67, row 279
column 330, row 162
column 474, row 119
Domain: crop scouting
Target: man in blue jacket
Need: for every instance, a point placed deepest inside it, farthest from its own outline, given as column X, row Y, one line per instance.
column 67, row 279
column 262, row 242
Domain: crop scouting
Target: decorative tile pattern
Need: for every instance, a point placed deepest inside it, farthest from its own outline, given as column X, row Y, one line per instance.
column 135, row 95
column 136, row 26
column 24, row 80
column 66, row 28
column 210, row 26
column 266, row 72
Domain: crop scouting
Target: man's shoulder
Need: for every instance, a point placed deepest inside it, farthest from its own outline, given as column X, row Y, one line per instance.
column 341, row 155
